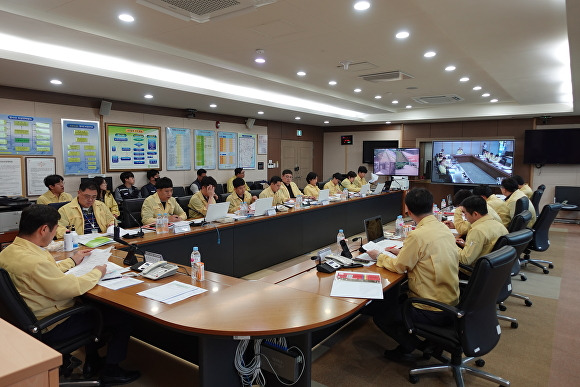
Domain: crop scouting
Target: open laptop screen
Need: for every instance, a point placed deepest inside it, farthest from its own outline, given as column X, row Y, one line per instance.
column 374, row 229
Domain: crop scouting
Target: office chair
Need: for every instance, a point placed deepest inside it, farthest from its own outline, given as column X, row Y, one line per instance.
column 58, row 205
column 184, row 202
column 131, row 207
column 221, row 188
column 542, row 187
column 522, row 204
column 520, row 221
column 536, row 196
column 475, row 330
column 178, row 191
column 541, row 241
column 14, row 310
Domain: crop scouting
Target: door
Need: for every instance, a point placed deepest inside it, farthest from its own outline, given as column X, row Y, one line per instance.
column 297, row 156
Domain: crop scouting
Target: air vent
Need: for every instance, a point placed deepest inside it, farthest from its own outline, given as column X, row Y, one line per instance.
column 388, row 76
column 202, row 11
column 439, row 99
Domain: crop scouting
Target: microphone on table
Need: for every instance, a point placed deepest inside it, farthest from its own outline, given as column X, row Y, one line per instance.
column 130, row 259
column 361, row 249
column 136, row 235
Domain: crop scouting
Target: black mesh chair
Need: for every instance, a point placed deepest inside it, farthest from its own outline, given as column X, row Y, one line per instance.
column 520, row 221
column 536, row 196
column 131, row 212
column 178, row 191
column 58, row 205
column 184, row 202
column 541, row 240
column 14, row 310
column 475, row 331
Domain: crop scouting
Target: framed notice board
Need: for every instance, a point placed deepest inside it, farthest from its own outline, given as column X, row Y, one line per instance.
column 12, row 176
column 37, row 168
column 133, row 147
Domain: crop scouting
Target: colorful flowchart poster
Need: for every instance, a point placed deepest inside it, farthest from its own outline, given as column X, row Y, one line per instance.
column 178, row 146
column 23, row 135
column 133, row 148
column 205, row 152
column 247, row 151
column 227, row 150
column 81, row 147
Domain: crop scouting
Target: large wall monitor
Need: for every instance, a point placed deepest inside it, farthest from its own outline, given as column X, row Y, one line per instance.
column 396, row 162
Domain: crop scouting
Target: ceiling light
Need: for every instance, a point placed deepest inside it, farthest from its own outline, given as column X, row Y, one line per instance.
column 357, row 90
column 464, row 79
column 213, row 105
column 395, row 102
column 297, row 118
column 402, row 35
column 260, row 57
column 450, row 68
column 55, row 82
column 126, row 18
column 477, row 88
column 362, row 5
column 332, row 83
column 429, row 54
column 387, row 122
column 327, row 122
column 260, row 112
column 378, row 97
column 301, row 73
column 493, row 100
column 148, row 96
column 408, row 106
column 485, row 95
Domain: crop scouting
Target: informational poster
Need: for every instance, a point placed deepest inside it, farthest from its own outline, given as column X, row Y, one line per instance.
column 178, row 149
column 22, row 135
column 11, row 171
column 81, row 147
column 227, row 150
column 205, row 151
column 133, row 147
column 262, row 144
column 247, row 151
column 37, row 168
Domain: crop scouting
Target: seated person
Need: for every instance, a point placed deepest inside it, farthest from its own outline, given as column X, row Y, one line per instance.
column 55, row 193
column 239, row 196
column 311, row 188
column 348, row 182
column 149, row 188
column 509, row 188
column 203, row 198
column 429, row 257
column 274, row 191
column 162, row 202
column 196, row 185
column 47, row 289
column 333, row 185
column 105, row 196
column 238, row 172
column 127, row 190
column 460, row 151
column 494, row 202
column 442, row 168
column 482, row 235
column 289, row 189
column 85, row 212
column 359, row 180
column 522, row 186
column 459, row 223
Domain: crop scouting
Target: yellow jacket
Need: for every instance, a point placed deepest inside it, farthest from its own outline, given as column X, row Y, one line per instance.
column 236, row 202
column 333, row 189
column 49, row 197
column 351, row 187
column 41, row 281
column 111, row 204
column 278, row 196
column 197, row 206
column 500, row 208
column 527, row 191
column 463, row 226
column 71, row 214
column 230, row 185
column 295, row 190
column 311, row 190
column 480, row 239
column 359, row 181
column 511, row 205
column 152, row 206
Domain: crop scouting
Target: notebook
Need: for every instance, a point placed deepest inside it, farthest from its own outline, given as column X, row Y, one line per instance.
column 216, row 211
column 378, row 189
column 374, row 229
column 365, row 189
column 262, row 205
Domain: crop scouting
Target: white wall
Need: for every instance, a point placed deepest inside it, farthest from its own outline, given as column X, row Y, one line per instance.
column 57, row 112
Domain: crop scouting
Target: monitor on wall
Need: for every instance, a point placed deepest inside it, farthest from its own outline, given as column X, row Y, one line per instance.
column 486, row 161
column 396, row 161
column 370, row 146
column 552, row 146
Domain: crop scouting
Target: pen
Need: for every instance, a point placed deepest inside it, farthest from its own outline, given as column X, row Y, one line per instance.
column 112, row 278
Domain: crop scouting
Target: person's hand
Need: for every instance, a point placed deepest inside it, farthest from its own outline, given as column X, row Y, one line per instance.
column 174, row 218
column 449, row 224
column 254, row 198
column 210, row 190
column 102, row 269
column 373, row 254
column 393, row 250
column 460, row 242
column 79, row 255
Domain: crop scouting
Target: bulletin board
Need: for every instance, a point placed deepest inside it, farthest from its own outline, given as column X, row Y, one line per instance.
column 37, row 168
column 133, row 147
column 12, row 176
column 81, row 147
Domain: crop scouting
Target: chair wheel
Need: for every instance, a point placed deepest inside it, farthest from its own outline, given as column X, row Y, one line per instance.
column 414, row 379
column 502, row 307
column 546, row 271
column 480, row 362
column 523, row 277
column 514, row 324
column 528, row 302
column 551, row 266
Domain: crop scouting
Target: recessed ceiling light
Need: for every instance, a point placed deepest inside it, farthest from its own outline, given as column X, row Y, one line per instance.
column 126, row 18
column 485, row 95
column 260, row 112
column 148, row 96
column 297, row 118
column 378, row 97
column 362, row 5
column 213, row 105
column 301, row 73
column 408, row 106
column 387, row 122
column 327, row 122
column 56, row 82
column 450, row 68
column 260, row 56
column 477, row 88
column 332, row 83
column 260, row 60
column 357, row 90
column 464, row 79
column 429, row 54
column 395, row 102
column 402, row 35
column 493, row 100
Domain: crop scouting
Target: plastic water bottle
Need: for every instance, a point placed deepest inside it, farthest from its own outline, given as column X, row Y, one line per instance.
column 75, row 238
column 344, row 194
column 399, row 226
column 165, row 223
column 443, row 205
column 243, row 209
column 68, row 242
column 195, row 259
column 339, row 237
column 298, row 202
column 159, row 224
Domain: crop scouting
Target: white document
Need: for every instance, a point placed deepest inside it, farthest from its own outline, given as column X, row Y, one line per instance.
column 83, row 239
column 96, row 258
column 382, row 245
column 119, row 283
column 356, row 284
column 172, row 292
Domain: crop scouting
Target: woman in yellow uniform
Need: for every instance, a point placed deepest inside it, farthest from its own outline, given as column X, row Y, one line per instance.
column 311, row 188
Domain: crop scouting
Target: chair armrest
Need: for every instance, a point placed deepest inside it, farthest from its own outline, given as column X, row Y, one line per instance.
column 83, row 308
column 466, row 267
column 445, row 308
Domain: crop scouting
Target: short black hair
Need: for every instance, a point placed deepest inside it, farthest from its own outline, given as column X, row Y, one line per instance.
column 287, row 172
column 482, row 190
column 519, row 179
column 88, row 184
column 35, row 216
column 311, row 176
column 201, row 171
column 52, row 180
column 351, row 174
column 238, row 170
column 238, row 182
column 207, row 181
column 151, row 173
column 362, row 169
column 461, row 195
column 275, row 179
column 163, row 182
column 475, row 203
column 419, row 201
column 337, row 175
column 509, row 184
column 125, row 175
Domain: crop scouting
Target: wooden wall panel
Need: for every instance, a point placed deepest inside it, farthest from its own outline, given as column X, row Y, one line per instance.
column 446, row 130
column 480, row 129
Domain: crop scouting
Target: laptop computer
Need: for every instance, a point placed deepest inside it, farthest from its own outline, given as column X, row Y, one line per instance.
column 374, row 229
column 216, row 211
column 378, row 189
column 323, row 195
column 365, row 189
column 262, row 205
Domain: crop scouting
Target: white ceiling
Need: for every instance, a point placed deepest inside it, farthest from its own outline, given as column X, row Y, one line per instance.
column 524, row 53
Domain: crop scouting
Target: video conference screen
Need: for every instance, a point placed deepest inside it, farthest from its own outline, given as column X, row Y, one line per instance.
column 472, row 162
column 396, row 162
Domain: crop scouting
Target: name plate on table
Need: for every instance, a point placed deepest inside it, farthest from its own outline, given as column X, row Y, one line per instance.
column 325, row 202
column 271, row 212
column 181, row 227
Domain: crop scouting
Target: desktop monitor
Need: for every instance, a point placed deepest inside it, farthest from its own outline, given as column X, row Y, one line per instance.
column 262, row 205
column 374, row 229
column 216, row 211
column 396, row 162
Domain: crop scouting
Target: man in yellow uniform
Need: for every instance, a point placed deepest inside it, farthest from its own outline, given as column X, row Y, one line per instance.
column 239, row 196
column 429, row 256
column 289, row 189
column 333, row 185
column 522, row 186
column 238, row 172
column 509, row 188
column 85, row 212
column 274, row 191
column 55, row 193
column 162, row 202
column 311, row 188
column 359, row 180
column 483, row 234
column 494, row 202
column 202, row 199
column 348, row 182
column 47, row 289
column 461, row 225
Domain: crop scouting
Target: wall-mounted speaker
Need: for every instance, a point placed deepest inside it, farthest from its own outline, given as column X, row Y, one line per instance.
column 105, row 108
column 250, row 123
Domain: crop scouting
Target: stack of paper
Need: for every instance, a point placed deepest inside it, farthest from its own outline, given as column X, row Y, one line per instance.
column 172, row 292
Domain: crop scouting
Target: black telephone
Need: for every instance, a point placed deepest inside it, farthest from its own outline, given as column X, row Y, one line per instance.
column 345, row 250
